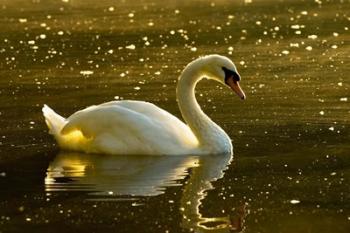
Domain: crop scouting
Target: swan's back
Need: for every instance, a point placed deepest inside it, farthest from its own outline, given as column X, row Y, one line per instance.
column 126, row 127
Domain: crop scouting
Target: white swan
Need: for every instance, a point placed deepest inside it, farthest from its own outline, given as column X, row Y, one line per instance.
column 138, row 127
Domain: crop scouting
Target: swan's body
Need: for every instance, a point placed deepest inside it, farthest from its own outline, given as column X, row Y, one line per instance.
column 124, row 127
column 137, row 127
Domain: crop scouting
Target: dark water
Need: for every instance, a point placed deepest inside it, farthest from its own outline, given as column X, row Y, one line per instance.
column 291, row 166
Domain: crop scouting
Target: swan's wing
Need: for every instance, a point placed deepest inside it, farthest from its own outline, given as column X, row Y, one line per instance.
column 125, row 125
column 161, row 117
column 101, row 119
column 143, row 107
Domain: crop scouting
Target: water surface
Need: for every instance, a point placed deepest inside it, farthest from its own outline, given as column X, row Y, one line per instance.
column 291, row 167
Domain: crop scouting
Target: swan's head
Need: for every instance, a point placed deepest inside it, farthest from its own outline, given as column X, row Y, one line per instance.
column 222, row 69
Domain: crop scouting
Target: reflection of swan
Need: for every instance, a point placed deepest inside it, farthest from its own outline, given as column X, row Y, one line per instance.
column 209, row 169
column 137, row 127
column 115, row 176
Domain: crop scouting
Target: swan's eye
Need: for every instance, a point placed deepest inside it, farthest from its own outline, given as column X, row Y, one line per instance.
column 231, row 73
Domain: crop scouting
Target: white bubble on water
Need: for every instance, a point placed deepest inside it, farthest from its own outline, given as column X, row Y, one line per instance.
column 131, row 46
column 297, row 26
column 308, row 48
column 294, row 201
column 86, row 72
column 313, row 37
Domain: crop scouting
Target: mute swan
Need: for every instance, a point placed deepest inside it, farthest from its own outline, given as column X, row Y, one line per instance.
column 138, row 127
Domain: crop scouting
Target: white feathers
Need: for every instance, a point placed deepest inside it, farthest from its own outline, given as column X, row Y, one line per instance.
column 137, row 127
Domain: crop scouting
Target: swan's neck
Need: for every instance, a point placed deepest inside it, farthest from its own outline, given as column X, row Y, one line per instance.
column 209, row 134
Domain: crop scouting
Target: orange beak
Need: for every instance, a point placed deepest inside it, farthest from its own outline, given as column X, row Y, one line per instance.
column 236, row 87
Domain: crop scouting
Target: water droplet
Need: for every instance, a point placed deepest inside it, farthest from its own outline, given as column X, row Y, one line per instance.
column 86, row 72
column 313, row 37
column 294, row 201
column 23, row 20
column 132, row 47
column 308, row 48
column 296, row 45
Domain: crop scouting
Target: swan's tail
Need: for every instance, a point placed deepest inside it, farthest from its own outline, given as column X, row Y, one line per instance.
column 54, row 121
